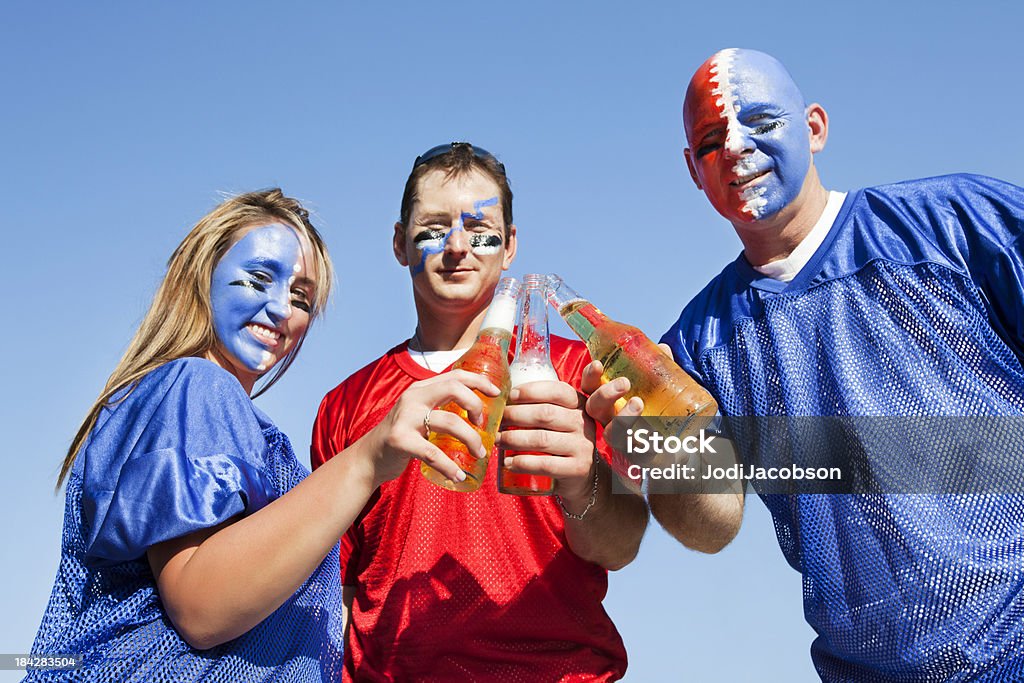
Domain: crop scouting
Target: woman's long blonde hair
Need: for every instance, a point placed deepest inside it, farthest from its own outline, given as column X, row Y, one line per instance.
column 179, row 322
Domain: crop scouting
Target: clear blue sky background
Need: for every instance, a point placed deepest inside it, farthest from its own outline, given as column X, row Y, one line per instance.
column 122, row 123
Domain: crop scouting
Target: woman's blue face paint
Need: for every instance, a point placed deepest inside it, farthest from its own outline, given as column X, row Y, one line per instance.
column 261, row 298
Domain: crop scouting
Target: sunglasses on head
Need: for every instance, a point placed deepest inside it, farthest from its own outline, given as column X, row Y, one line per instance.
column 478, row 152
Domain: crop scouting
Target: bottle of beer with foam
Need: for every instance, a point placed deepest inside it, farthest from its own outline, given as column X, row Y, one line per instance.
column 489, row 357
column 674, row 404
column 532, row 362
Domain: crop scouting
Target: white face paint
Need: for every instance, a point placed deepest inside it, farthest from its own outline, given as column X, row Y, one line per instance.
column 485, row 244
column 727, row 101
column 724, row 92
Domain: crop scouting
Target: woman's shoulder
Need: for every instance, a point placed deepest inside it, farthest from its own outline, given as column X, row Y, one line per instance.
column 194, row 370
column 186, row 395
column 191, row 379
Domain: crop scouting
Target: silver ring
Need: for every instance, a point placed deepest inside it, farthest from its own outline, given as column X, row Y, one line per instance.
column 426, row 424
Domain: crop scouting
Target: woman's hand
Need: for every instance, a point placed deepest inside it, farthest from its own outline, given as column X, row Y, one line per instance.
column 401, row 435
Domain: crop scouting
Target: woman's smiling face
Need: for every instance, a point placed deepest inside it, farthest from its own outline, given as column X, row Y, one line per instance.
column 261, row 295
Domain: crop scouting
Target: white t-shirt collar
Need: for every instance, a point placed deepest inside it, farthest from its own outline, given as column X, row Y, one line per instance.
column 786, row 269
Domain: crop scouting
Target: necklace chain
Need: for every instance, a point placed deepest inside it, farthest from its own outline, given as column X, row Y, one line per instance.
column 419, row 349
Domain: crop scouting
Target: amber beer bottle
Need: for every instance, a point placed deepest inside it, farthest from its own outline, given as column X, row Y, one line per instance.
column 531, row 363
column 674, row 403
column 489, row 357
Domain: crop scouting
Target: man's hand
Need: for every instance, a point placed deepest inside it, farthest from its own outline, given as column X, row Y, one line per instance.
column 607, row 401
column 704, row 522
column 551, row 425
column 551, row 419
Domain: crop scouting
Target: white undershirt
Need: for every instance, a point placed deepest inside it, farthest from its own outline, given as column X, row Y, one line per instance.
column 436, row 361
column 786, row 269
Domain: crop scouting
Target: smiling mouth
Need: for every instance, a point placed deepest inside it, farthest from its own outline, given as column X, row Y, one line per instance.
column 267, row 335
column 746, row 179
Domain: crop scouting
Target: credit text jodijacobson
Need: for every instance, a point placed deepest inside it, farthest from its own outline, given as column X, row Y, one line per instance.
column 645, row 441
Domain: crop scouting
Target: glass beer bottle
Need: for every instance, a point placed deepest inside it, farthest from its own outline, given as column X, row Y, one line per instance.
column 489, row 357
column 674, row 403
column 531, row 363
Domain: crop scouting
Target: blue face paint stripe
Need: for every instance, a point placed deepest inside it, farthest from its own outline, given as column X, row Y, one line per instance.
column 477, row 214
column 427, row 251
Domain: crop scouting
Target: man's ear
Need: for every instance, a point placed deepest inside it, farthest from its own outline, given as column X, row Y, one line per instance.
column 817, row 124
column 398, row 244
column 693, row 170
column 511, row 244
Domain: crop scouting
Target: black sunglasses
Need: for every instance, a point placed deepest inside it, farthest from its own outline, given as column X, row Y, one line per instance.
column 478, row 152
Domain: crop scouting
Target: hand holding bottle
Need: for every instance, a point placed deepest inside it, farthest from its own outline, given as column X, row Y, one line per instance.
column 487, row 357
column 608, row 400
column 674, row 404
column 401, row 434
column 552, row 436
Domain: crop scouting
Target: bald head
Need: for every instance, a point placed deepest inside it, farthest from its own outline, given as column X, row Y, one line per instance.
column 733, row 73
column 749, row 142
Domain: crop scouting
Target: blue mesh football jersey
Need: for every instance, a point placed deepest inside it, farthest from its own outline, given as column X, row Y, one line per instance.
column 912, row 306
column 185, row 450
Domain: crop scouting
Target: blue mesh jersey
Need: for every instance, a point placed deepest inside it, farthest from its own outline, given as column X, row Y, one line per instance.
column 185, row 450
column 912, row 306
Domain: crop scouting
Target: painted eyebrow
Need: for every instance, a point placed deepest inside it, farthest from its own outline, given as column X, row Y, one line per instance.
column 700, row 139
column 758, row 108
column 267, row 264
column 710, row 134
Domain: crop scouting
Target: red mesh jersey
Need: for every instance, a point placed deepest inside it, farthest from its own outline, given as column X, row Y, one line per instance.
column 462, row 586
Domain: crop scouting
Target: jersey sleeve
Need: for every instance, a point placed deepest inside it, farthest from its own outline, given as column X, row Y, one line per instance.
column 329, row 439
column 677, row 339
column 180, row 452
column 993, row 225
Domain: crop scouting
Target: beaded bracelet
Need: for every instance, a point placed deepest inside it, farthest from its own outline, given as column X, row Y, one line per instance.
column 590, row 503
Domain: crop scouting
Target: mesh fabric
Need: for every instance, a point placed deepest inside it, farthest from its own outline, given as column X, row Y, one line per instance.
column 112, row 615
column 911, row 307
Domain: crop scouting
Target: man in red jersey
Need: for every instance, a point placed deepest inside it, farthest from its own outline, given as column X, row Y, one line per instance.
column 479, row 586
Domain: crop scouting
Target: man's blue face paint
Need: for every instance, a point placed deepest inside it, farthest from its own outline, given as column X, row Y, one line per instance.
column 434, row 241
column 253, row 294
column 478, row 214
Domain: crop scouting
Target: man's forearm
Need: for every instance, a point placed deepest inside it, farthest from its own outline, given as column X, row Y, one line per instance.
column 701, row 521
column 610, row 532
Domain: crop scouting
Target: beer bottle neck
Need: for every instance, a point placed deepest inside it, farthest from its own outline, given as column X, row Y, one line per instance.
column 583, row 317
column 534, row 341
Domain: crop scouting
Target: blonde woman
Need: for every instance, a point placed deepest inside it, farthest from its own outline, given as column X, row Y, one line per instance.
column 188, row 549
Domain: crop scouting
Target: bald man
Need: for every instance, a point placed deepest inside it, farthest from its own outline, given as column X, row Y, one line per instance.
column 899, row 300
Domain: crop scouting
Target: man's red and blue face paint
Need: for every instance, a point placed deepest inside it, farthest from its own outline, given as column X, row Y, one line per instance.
column 747, row 133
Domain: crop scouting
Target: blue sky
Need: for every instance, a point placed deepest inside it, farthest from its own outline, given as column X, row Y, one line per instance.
column 122, row 124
